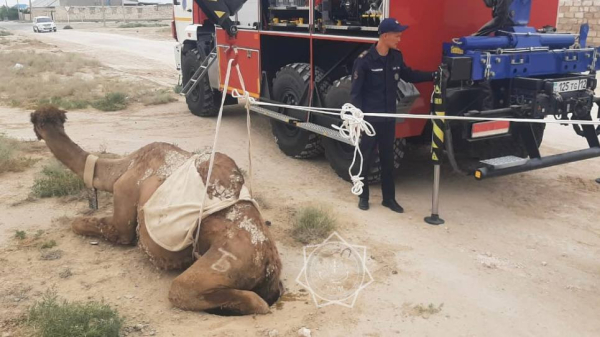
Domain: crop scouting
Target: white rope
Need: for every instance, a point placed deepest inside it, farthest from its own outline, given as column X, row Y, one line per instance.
column 336, row 112
column 210, row 165
column 248, row 125
column 353, row 124
column 236, row 94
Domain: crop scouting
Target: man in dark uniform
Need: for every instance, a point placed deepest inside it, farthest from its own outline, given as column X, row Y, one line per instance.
column 501, row 17
column 375, row 78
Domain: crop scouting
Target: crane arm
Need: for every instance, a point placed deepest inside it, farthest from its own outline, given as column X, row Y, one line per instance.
column 219, row 12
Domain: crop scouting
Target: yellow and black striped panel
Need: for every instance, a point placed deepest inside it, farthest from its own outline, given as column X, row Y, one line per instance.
column 439, row 126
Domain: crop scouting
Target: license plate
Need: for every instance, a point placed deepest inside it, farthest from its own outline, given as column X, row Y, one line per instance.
column 572, row 85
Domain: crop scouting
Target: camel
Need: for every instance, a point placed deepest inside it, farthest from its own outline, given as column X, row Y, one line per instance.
column 237, row 271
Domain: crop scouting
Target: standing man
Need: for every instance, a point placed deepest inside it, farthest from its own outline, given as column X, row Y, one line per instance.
column 375, row 78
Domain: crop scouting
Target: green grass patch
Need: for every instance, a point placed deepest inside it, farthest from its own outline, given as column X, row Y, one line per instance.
column 11, row 158
column 140, row 24
column 49, row 244
column 65, row 103
column 158, row 97
column 312, row 224
column 50, row 317
column 56, row 180
column 113, row 101
column 21, row 235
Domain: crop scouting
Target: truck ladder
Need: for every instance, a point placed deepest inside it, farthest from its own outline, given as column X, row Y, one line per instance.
column 200, row 73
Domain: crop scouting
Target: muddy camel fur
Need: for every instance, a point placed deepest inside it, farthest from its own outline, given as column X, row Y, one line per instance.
column 239, row 268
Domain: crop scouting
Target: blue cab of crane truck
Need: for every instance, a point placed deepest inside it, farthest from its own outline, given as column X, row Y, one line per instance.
column 43, row 24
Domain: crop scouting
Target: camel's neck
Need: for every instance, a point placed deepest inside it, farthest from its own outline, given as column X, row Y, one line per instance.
column 107, row 171
column 65, row 150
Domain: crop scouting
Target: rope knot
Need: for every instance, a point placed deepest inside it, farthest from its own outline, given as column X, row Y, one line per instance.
column 353, row 125
column 357, row 182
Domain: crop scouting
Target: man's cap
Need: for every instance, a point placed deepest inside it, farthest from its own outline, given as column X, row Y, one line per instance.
column 391, row 25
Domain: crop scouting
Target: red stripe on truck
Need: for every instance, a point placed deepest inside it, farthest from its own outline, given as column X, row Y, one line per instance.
column 486, row 129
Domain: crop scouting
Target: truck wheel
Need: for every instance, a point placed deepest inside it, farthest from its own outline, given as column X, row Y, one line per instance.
column 288, row 88
column 203, row 101
column 340, row 154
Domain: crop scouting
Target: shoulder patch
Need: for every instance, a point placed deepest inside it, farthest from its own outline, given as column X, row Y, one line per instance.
column 363, row 54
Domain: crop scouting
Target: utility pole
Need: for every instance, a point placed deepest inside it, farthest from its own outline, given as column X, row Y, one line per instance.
column 103, row 14
column 30, row 12
column 18, row 12
column 68, row 9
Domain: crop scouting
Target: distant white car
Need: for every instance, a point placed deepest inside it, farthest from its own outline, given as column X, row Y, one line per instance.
column 43, row 24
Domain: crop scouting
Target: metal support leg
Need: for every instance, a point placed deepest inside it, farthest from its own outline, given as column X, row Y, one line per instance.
column 435, row 219
column 437, row 141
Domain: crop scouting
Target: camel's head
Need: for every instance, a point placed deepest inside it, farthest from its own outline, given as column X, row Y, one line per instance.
column 45, row 117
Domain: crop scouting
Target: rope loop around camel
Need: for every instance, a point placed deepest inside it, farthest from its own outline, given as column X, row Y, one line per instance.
column 234, row 93
column 196, row 255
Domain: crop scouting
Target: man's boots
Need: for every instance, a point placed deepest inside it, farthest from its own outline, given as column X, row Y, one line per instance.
column 363, row 204
column 393, row 205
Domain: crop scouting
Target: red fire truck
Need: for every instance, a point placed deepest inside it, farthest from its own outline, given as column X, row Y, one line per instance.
column 301, row 52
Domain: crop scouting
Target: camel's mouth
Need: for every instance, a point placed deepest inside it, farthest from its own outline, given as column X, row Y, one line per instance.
column 47, row 116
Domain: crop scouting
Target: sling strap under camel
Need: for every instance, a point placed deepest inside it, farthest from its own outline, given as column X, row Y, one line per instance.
column 89, row 170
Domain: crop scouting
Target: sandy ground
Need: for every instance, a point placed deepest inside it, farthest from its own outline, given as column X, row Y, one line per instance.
column 518, row 255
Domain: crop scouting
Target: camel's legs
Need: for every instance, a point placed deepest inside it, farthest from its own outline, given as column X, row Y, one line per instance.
column 208, row 284
column 119, row 228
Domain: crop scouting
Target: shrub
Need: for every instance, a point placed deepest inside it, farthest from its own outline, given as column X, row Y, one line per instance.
column 313, row 223
column 158, row 97
column 113, row 101
column 11, row 160
column 56, row 180
column 49, row 317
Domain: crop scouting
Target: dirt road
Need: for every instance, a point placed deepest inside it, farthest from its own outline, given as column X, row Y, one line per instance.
column 152, row 60
column 518, row 255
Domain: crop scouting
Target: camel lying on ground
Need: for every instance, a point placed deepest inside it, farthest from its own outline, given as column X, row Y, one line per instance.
column 236, row 273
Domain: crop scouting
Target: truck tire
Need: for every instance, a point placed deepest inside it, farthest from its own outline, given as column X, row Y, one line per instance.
column 288, row 87
column 340, row 154
column 203, row 101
